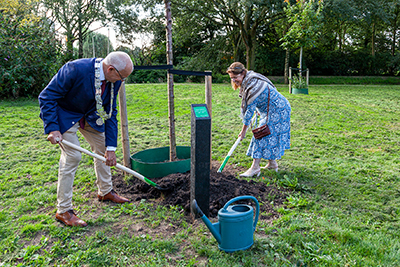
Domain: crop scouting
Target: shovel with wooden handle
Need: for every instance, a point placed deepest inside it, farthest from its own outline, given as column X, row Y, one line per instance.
column 232, row 149
column 229, row 154
column 118, row 166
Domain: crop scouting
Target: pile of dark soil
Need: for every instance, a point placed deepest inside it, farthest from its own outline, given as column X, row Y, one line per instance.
column 223, row 187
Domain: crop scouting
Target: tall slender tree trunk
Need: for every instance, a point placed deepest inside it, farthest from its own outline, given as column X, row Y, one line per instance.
column 301, row 61
column 80, row 35
column 340, row 36
column 286, row 73
column 170, row 81
column 373, row 40
column 394, row 37
column 287, row 58
column 394, row 30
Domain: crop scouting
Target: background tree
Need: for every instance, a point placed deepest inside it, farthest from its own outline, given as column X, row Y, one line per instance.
column 305, row 18
column 237, row 21
column 339, row 17
column 96, row 45
column 245, row 15
column 280, row 30
column 371, row 17
column 393, row 10
column 124, row 14
column 204, row 45
column 75, row 17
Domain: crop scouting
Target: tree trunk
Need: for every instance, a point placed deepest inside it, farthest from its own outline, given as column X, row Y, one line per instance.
column 80, row 36
column 236, row 48
column 250, row 50
column 340, row 34
column 373, row 40
column 286, row 75
column 301, row 61
column 248, row 34
column 249, row 58
column 69, row 54
column 394, row 30
column 170, row 81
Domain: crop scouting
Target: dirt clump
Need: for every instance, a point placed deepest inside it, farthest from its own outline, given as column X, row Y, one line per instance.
column 223, row 187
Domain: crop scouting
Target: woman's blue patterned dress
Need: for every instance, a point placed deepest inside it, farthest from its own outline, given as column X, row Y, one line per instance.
column 273, row 146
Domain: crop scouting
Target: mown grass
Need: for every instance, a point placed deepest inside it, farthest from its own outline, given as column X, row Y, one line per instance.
column 355, row 80
column 343, row 167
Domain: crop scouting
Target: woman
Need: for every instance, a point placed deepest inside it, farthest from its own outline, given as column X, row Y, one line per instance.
column 255, row 91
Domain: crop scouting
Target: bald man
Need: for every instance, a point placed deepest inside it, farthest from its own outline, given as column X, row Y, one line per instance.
column 82, row 97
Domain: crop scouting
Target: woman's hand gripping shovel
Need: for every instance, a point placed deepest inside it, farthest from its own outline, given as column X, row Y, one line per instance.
column 118, row 166
column 232, row 149
column 229, row 154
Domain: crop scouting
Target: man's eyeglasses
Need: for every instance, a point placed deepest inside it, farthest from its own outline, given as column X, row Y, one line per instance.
column 122, row 79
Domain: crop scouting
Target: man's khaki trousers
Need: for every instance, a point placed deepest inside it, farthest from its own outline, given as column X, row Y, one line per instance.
column 69, row 161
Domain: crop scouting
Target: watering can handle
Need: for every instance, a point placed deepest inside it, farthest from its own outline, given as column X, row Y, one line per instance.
column 242, row 198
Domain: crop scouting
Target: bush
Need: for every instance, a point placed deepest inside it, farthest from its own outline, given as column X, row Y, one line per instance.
column 28, row 55
column 220, row 78
column 148, row 76
column 348, row 63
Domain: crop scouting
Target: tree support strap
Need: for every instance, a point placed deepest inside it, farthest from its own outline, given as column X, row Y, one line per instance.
column 171, row 70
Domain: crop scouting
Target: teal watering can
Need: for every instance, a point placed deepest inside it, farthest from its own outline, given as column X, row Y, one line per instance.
column 235, row 227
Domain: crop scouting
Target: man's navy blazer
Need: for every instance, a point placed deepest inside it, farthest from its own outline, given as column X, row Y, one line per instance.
column 70, row 96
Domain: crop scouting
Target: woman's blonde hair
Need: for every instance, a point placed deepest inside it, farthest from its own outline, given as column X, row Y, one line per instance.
column 236, row 68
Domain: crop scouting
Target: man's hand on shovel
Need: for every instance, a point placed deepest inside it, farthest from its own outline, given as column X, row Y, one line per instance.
column 55, row 137
column 111, row 158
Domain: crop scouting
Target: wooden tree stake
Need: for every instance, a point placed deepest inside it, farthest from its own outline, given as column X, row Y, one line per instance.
column 171, row 108
column 123, row 112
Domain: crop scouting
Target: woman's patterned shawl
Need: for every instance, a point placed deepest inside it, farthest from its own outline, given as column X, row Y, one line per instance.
column 252, row 86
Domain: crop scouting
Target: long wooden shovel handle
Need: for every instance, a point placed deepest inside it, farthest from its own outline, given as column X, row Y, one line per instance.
column 119, row 166
column 229, row 154
column 233, row 148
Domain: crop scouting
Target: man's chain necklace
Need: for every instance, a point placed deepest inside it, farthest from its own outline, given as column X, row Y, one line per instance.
column 99, row 102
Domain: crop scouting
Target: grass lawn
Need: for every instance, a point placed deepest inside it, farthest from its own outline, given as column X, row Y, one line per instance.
column 343, row 166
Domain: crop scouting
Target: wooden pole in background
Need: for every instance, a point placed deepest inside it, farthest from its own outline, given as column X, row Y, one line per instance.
column 123, row 112
column 208, row 84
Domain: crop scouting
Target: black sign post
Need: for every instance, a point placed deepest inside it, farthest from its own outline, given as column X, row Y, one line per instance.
column 200, row 157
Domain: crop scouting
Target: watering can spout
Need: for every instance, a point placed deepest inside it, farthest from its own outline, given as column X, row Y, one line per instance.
column 214, row 227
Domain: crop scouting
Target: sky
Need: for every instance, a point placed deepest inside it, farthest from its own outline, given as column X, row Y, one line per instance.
column 141, row 39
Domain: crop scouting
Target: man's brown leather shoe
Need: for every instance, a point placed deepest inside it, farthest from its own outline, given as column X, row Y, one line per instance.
column 113, row 197
column 69, row 218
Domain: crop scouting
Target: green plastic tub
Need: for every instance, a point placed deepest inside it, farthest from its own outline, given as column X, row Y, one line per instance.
column 154, row 162
column 300, row 91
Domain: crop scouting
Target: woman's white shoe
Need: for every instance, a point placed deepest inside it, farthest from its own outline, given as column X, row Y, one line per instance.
column 251, row 173
column 272, row 165
column 270, row 168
